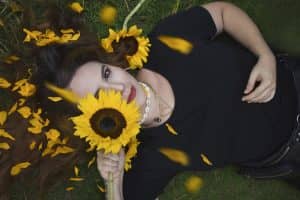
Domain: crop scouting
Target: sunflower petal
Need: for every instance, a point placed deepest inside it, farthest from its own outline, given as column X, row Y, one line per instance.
column 4, row 83
column 13, row 109
column 5, row 134
column 92, row 161
column 206, row 160
column 178, row 44
column 101, row 189
column 3, row 117
column 55, row 99
column 24, row 111
column 76, row 179
column 64, row 93
column 76, row 170
column 16, row 169
column 193, row 184
column 4, row 145
column 76, row 7
column 175, row 155
column 171, row 129
column 70, row 189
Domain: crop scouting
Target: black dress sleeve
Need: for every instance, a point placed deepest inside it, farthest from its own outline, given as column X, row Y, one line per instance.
column 194, row 22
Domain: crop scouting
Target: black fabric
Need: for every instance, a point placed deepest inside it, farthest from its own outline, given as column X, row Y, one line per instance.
column 209, row 115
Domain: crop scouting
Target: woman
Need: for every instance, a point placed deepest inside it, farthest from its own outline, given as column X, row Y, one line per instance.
column 224, row 100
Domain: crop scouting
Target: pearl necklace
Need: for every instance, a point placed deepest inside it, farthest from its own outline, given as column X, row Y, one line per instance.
column 148, row 96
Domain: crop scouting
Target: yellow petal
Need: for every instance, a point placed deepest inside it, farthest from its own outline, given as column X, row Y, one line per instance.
column 40, row 146
column 70, row 30
column 62, row 150
column 3, row 117
column 70, row 189
column 21, row 102
column 175, row 155
column 11, row 59
column 91, row 162
column 25, row 111
column 4, row 146
column 5, row 134
column 4, row 83
column 52, row 134
column 55, row 99
column 76, row 179
column 76, row 170
column 178, row 44
column 64, row 93
column 100, row 188
column 76, row 7
column 205, row 160
column 27, row 90
column 13, row 109
column 171, row 129
column 19, row 83
column 32, row 145
column 108, row 14
column 193, row 184
column 16, row 169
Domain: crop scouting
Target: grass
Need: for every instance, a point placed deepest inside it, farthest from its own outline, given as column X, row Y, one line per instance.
column 279, row 23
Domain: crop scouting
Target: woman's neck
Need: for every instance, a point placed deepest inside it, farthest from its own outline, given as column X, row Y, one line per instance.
column 161, row 97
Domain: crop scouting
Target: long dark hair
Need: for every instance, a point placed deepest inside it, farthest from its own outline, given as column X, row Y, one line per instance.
column 56, row 64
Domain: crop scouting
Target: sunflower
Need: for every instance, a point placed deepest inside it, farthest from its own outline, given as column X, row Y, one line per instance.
column 107, row 122
column 138, row 55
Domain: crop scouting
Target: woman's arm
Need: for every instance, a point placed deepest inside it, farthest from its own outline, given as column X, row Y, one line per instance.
column 238, row 24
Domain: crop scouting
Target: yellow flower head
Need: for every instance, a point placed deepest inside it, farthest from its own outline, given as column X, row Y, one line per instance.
column 140, row 51
column 107, row 122
column 108, row 14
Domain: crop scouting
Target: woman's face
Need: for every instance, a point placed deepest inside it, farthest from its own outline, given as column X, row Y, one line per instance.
column 92, row 76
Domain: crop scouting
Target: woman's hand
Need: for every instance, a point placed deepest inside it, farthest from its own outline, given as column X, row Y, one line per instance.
column 111, row 163
column 263, row 72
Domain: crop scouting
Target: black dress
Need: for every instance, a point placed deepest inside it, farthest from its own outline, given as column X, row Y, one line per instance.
column 209, row 116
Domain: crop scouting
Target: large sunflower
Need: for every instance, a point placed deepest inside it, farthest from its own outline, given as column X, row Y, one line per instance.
column 142, row 44
column 107, row 122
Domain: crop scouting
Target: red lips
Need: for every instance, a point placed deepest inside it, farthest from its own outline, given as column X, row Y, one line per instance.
column 132, row 94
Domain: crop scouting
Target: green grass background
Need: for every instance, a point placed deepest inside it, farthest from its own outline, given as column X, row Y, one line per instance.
column 279, row 22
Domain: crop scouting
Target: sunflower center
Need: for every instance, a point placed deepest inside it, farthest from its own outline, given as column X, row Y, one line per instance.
column 108, row 122
column 127, row 46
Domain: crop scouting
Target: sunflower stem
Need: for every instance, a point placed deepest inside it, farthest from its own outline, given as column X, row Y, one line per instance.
column 110, row 189
column 135, row 9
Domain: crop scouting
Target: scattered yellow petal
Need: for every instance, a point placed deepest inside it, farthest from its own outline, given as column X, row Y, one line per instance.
column 21, row 102
column 100, row 188
column 62, row 150
column 19, row 83
column 171, row 129
column 55, row 99
column 27, row 90
column 178, row 44
column 25, row 111
column 70, row 30
column 91, row 161
column 40, row 146
column 32, row 145
column 13, row 109
column 3, row 117
column 108, row 14
column 76, row 7
column 16, row 169
column 205, row 160
column 91, row 148
column 175, row 155
column 64, row 93
column 4, row 83
column 76, row 170
column 52, row 134
column 11, row 59
column 70, row 189
column 76, row 179
column 5, row 134
column 4, row 146
column 193, row 184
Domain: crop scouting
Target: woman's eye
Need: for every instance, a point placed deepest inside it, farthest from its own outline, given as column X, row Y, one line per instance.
column 106, row 72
